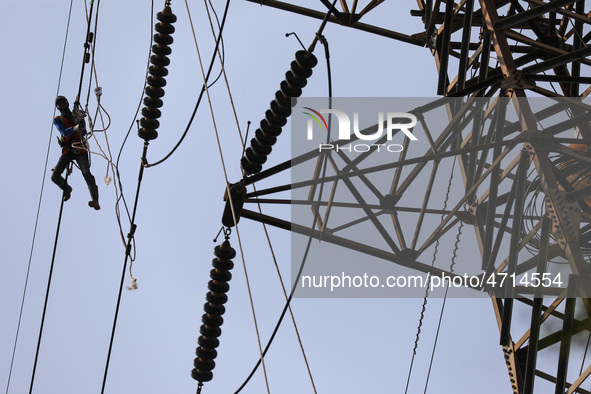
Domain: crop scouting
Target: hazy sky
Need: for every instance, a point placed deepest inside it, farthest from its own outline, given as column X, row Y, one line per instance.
column 353, row 345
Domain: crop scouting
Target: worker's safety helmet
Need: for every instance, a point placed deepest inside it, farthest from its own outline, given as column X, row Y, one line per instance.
column 61, row 98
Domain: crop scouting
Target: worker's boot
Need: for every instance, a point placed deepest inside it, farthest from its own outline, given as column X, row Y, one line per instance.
column 94, row 195
column 67, row 192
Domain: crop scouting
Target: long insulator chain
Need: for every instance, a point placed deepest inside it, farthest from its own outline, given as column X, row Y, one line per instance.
column 214, row 309
column 156, row 82
column 276, row 117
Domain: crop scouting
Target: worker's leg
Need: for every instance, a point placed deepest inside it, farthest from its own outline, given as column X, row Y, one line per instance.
column 57, row 177
column 84, row 164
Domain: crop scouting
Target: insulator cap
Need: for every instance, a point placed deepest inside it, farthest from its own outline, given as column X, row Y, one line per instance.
column 210, row 332
column 274, row 120
column 206, row 353
column 166, row 15
column 214, row 310
column 304, row 72
column 221, row 275
column 225, row 251
column 147, row 134
column 282, row 99
column 201, row 376
column 149, row 123
column 216, row 298
column 208, row 342
column 163, row 39
column 295, row 80
column 306, row 59
column 255, row 158
column 280, row 109
column 270, row 129
column 249, row 167
column 218, row 287
column 164, row 28
column 290, row 90
column 264, row 139
column 158, row 71
column 204, row 364
column 160, row 61
column 156, row 81
column 212, row 320
column 154, row 92
column 150, row 112
column 222, row 265
column 161, row 50
column 153, row 102
column 260, row 149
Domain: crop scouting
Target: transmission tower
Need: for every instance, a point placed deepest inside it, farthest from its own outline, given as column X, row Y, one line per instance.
column 513, row 83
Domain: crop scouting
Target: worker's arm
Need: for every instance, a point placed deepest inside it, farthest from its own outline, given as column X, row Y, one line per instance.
column 65, row 131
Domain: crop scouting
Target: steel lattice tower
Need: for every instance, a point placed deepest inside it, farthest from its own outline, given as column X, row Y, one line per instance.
column 523, row 188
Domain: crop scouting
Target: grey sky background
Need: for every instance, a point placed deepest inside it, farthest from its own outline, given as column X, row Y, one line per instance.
column 352, row 345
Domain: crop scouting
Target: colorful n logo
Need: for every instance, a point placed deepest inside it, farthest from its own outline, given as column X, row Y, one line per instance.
column 316, row 119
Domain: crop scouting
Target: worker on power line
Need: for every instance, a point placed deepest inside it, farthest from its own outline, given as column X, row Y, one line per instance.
column 72, row 129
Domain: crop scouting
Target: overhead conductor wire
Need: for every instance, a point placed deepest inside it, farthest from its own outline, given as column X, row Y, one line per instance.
column 58, row 223
column 281, row 282
column 38, row 208
column 130, row 236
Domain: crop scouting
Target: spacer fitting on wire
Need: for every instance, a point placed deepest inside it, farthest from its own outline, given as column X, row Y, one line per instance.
column 276, row 117
column 157, row 71
column 98, row 91
column 214, row 309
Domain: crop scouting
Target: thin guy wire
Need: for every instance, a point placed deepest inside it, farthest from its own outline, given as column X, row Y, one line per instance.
column 38, row 207
column 231, row 204
column 223, row 71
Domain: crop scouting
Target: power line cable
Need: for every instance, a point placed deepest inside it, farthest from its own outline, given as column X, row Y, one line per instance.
column 130, row 237
column 38, row 206
column 57, row 232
